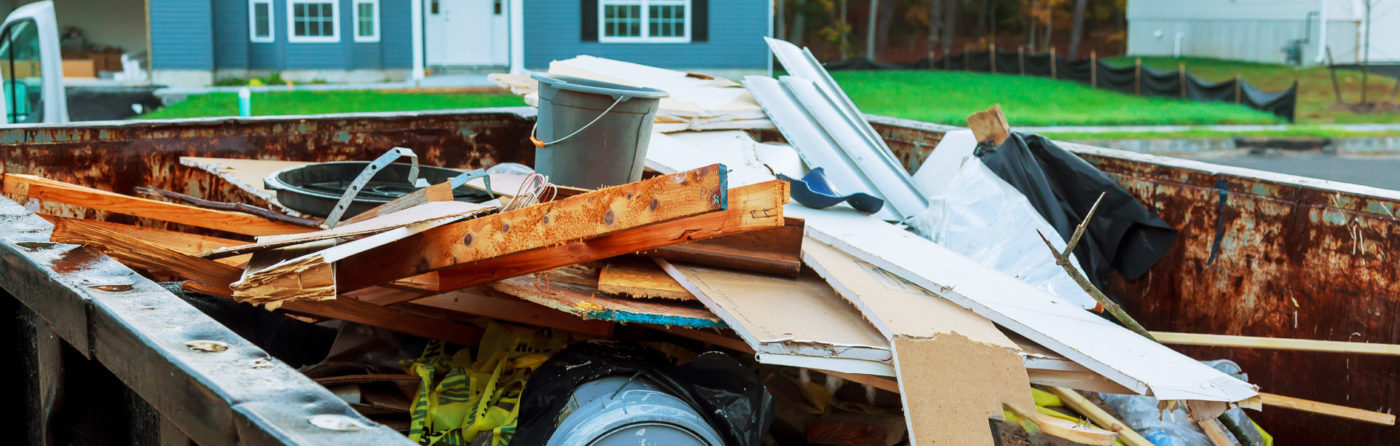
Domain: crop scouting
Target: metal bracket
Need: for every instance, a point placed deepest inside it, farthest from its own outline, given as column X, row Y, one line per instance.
column 368, row 174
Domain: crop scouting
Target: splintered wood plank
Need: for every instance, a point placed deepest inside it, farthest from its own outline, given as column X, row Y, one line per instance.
column 487, row 302
column 1100, row 417
column 773, row 251
column 753, row 207
column 213, row 275
column 640, row 278
column 453, row 210
column 184, row 242
column 311, row 274
column 580, row 217
column 924, row 332
column 778, row 316
column 58, row 191
column 588, row 303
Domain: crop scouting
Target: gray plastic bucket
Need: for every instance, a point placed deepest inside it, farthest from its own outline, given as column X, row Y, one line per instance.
column 595, row 133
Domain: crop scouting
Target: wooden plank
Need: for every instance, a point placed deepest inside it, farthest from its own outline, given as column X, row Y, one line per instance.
column 213, row 275
column 1307, row 345
column 57, row 191
column 364, row 313
column 1331, row 410
column 989, row 125
column 753, row 207
column 1100, row 417
column 180, row 241
column 786, row 317
column 1215, row 433
column 588, row 303
column 639, row 278
column 772, row 251
column 454, row 210
column 1126, row 358
column 311, row 275
column 1075, row 432
column 580, row 217
column 486, row 302
column 389, row 318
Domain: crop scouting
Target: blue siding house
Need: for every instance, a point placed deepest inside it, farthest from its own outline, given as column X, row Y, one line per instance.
column 197, row 42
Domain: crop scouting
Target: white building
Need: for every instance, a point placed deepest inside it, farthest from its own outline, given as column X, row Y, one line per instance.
column 1258, row 30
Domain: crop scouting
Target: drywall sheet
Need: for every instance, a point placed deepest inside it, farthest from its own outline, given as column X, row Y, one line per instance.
column 1120, row 355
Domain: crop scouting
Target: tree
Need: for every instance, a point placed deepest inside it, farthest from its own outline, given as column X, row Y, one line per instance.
column 1078, row 29
column 950, row 24
column 799, row 23
column 935, row 24
column 870, row 27
column 886, row 23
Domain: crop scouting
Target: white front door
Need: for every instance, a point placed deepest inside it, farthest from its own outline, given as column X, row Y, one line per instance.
column 466, row 32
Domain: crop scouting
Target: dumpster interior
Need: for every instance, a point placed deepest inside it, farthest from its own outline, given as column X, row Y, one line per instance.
column 704, row 261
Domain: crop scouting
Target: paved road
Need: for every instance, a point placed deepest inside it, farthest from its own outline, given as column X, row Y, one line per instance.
column 1383, row 171
column 1223, row 128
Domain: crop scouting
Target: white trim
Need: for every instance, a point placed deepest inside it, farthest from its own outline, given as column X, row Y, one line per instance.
column 253, row 22
column 645, row 22
column 517, row 36
column 356, row 17
column 335, row 23
column 416, row 25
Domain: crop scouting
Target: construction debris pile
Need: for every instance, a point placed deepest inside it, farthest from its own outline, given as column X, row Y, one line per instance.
column 797, row 256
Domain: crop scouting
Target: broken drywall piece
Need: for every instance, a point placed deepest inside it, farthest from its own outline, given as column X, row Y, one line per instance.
column 788, row 319
column 926, row 333
column 940, row 412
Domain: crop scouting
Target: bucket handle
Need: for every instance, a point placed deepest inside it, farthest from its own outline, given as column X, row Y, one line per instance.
column 542, row 144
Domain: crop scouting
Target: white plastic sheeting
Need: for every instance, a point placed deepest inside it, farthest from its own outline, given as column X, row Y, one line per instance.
column 975, row 213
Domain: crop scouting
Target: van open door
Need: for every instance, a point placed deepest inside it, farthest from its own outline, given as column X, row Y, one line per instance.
column 31, row 67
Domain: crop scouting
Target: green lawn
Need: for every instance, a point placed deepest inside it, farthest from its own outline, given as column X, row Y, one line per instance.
column 948, row 97
column 1316, row 96
column 340, row 101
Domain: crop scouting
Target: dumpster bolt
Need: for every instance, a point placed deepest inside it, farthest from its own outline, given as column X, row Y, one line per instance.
column 207, row 346
column 337, row 422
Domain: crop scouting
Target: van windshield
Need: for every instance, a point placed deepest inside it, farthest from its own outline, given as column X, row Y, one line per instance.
column 22, row 70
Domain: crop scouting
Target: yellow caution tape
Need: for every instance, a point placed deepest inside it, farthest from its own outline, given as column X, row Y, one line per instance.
column 476, row 391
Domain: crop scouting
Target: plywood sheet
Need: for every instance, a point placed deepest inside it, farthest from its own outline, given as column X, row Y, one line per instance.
column 639, row 278
column 588, row 303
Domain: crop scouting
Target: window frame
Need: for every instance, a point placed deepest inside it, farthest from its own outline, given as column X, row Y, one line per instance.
column 253, row 22
column 292, row 25
column 646, row 36
column 356, row 16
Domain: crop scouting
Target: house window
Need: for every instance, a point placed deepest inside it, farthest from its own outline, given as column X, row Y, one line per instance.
column 366, row 20
column 659, row 21
column 313, row 21
column 260, row 20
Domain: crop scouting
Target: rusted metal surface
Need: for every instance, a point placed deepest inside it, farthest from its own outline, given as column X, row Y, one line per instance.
column 118, row 156
column 141, row 333
column 1279, row 256
column 1276, row 259
column 1295, row 258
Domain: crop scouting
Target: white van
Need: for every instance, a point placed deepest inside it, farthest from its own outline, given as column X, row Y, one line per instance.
column 32, row 67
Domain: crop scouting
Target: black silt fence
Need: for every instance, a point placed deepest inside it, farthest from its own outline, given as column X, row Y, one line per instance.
column 1131, row 79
